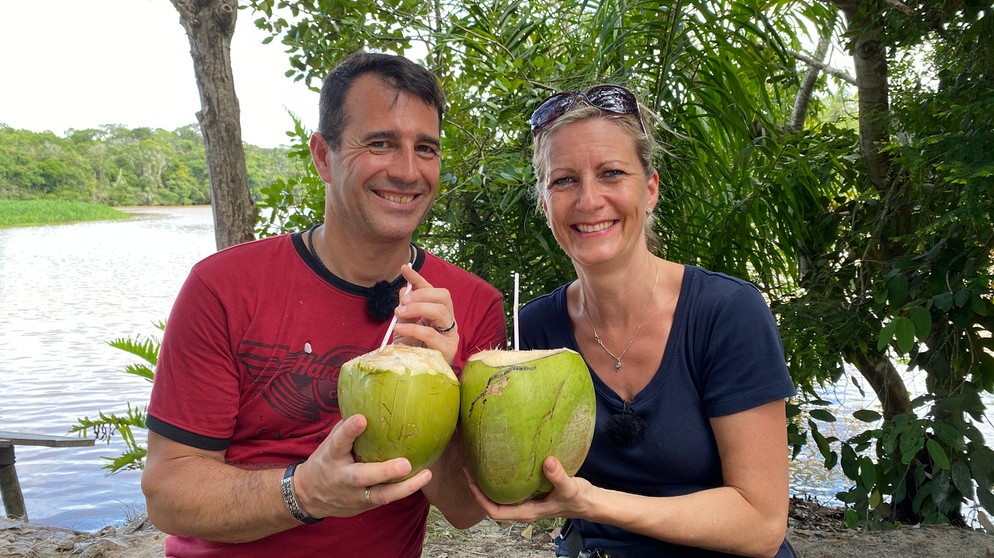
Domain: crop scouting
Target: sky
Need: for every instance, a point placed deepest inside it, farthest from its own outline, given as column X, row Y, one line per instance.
column 77, row 64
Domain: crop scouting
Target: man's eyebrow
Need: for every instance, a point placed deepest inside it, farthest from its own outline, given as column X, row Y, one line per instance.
column 379, row 134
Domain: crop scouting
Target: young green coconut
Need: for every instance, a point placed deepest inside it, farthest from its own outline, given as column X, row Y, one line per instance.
column 410, row 398
column 516, row 409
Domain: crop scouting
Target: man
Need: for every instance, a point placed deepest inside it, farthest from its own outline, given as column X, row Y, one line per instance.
column 248, row 455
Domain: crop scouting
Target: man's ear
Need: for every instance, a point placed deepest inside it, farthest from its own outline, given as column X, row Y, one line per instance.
column 319, row 154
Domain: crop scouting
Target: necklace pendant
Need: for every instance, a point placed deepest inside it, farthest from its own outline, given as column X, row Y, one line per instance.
column 617, row 365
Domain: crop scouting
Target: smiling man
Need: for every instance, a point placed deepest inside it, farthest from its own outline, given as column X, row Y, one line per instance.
column 248, row 453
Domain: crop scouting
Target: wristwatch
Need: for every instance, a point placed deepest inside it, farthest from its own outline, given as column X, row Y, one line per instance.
column 290, row 499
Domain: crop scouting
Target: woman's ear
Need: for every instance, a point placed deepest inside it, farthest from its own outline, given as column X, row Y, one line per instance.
column 653, row 192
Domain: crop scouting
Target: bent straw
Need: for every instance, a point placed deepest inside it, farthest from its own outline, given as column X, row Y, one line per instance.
column 393, row 321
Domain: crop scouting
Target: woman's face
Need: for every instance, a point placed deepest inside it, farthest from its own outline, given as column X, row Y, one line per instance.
column 598, row 196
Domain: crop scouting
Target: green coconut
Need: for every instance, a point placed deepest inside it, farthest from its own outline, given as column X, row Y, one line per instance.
column 410, row 398
column 516, row 409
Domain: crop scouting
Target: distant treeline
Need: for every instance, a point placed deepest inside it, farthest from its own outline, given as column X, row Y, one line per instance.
column 117, row 166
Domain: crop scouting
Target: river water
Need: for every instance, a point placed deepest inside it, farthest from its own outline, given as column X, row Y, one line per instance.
column 67, row 290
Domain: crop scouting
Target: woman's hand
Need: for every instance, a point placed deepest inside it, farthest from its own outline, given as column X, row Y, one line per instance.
column 565, row 500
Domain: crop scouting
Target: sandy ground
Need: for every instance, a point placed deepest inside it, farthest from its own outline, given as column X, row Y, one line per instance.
column 815, row 532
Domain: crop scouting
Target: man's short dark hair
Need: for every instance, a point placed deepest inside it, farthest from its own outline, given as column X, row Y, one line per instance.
column 396, row 72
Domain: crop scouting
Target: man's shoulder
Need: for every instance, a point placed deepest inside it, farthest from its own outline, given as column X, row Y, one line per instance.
column 255, row 251
column 454, row 278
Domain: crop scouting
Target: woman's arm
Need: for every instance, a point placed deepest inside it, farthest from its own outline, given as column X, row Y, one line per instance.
column 746, row 516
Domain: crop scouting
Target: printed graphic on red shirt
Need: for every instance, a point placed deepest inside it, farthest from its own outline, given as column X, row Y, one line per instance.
column 300, row 385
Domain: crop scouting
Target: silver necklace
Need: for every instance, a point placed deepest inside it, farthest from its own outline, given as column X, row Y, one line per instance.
column 645, row 311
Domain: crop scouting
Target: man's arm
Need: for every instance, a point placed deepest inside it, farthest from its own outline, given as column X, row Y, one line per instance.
column 193, row 492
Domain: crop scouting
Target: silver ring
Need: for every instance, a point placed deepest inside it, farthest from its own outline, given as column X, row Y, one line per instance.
column 447, row 329
column 366, row 496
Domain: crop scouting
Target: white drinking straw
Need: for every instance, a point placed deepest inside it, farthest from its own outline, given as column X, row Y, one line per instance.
column 393, row 321
column 515, row 310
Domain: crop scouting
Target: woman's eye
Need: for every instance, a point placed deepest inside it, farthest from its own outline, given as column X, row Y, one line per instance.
column 562, row 181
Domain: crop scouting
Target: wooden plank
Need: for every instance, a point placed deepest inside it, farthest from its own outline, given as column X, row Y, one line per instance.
column 47, row 440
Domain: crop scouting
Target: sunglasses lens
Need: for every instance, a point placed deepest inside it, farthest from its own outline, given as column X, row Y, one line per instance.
column 613, row 98
column 551, row 109
column 609, row 98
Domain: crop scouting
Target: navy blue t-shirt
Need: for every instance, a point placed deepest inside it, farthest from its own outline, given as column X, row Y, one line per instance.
column 723, row 356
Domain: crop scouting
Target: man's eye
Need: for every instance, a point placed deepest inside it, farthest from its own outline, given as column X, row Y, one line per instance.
column 428, row 150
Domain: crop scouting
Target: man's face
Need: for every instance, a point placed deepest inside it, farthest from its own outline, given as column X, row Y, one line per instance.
column 383, row 180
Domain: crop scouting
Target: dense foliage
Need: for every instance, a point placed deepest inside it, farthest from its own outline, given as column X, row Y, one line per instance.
column 117, row 166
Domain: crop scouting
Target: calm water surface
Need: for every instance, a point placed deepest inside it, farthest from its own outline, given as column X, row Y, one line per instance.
column 66, row 291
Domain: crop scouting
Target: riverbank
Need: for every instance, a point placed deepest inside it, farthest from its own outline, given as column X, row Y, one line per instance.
column 28, row 213
column 815, row 531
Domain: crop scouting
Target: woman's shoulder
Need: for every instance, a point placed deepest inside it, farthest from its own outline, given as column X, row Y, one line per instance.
column 547, row 302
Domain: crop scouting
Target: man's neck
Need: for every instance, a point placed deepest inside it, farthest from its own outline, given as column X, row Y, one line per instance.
column 357, row 261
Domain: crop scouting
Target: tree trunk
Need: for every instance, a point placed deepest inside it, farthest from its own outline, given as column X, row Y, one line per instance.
column 870, row 64
column 886, row 382
column 210, row 24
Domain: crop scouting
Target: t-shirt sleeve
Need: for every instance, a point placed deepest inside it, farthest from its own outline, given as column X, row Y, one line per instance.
column 194, row 396
column 743, row 362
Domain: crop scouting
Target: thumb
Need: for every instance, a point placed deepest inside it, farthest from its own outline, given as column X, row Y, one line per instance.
column 344, row 433
column 554, row 470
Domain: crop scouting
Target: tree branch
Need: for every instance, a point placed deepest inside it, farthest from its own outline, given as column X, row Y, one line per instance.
column 841, row 74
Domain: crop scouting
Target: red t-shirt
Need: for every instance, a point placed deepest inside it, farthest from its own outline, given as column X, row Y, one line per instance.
column 249, row 364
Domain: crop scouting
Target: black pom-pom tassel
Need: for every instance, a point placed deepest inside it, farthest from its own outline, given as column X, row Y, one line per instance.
column 382, row 300
column 626, row 429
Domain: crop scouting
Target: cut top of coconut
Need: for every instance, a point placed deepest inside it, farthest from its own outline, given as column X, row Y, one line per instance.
column 416, row 360
column 499, row 358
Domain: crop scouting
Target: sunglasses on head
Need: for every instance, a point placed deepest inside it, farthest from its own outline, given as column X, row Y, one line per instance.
column 608, row 98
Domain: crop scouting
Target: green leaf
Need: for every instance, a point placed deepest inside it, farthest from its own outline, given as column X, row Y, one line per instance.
column 823, row 445
column 962, row 479
column 922, row 318
column 897, row 290
column 904, row 330
column 867, row 473
column 938, row 454
column 850, row 462
column 866, row 415
column 978, row 305
column 961, row 297
column 886, row 334
column 943, row 301
column 822, row 415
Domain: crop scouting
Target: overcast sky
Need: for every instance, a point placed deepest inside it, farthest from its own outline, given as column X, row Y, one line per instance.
column 84, row 63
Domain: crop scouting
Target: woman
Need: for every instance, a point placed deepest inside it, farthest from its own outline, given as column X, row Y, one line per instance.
column 689, row 457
